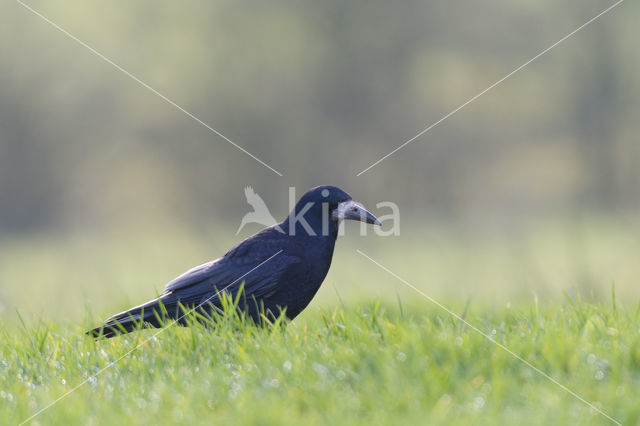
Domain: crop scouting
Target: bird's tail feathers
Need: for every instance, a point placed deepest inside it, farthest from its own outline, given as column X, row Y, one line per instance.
column 153, row 313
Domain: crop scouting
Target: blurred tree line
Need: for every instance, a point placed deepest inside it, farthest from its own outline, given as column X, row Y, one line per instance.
column 319, row 91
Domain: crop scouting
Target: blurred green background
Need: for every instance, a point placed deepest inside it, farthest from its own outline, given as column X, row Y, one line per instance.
column 107, row 191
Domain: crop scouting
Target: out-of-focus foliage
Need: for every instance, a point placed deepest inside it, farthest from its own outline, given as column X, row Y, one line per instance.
column 318, row 90
column 107, row 191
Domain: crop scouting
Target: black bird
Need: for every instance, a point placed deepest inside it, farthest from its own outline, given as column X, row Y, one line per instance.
column 280, row 267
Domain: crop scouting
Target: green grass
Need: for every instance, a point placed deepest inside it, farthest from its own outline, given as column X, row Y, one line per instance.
column 344, row 360
column 357, row 364
column 62, row 276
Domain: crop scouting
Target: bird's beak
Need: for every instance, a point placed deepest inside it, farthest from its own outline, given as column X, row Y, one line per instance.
column 351, row 210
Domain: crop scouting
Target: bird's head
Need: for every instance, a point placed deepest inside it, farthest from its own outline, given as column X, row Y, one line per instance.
column 326, row 206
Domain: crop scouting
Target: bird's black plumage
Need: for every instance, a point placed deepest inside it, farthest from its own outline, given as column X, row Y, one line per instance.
column 280, row 267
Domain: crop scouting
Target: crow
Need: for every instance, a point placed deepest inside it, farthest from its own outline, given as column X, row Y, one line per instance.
column 278, row 270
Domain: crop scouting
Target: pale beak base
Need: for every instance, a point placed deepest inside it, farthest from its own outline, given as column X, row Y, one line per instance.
column 350, row 210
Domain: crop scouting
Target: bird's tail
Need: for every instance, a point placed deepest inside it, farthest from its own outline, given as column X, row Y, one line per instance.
column 153, row 313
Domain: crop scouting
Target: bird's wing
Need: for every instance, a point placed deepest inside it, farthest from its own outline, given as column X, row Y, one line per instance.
column 193, row 276
column 258, row 266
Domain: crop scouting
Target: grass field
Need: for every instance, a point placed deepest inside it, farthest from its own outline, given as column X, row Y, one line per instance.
column 363, row 365
column 367, row 350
